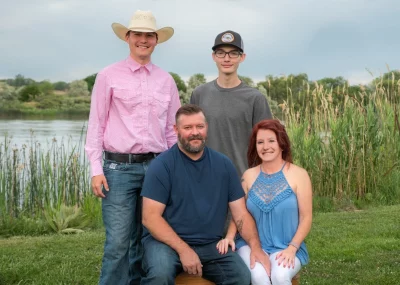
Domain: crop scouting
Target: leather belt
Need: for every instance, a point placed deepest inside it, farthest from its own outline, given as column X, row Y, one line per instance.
column 129, row 157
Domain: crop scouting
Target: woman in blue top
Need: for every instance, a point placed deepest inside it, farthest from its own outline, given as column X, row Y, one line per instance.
column 279, row 197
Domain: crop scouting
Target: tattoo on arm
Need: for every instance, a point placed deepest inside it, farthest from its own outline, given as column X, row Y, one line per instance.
column 239, row 225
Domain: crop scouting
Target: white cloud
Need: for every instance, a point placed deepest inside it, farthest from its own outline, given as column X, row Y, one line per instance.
column 359, row 77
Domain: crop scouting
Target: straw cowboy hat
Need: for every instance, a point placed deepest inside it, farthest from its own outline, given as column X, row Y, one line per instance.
column 143, row 21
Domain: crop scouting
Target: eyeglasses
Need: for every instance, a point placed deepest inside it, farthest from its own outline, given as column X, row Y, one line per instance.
column 232, row 54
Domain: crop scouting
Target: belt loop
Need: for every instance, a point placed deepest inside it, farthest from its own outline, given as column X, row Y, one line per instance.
column 130, row 158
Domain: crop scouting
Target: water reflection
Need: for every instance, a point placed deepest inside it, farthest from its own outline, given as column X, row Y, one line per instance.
column 42, row 161
column 71, row 132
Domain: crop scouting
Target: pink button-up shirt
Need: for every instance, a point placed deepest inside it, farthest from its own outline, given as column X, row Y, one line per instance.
column 132, row 110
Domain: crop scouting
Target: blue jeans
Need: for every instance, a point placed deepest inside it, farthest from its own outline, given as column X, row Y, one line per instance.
column 121, row 210
column 161, row 264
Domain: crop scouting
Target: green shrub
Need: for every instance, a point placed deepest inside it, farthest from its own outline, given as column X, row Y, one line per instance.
column 66, row 219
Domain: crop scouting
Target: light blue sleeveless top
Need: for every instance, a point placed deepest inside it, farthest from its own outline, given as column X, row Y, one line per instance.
column 273, row 205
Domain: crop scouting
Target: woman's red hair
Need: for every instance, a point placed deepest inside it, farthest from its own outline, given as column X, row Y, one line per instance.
column 283, row 141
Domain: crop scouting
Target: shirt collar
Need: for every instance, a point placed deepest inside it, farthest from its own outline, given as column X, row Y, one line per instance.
column 134, row 65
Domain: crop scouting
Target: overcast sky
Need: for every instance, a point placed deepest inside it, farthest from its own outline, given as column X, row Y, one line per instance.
column 71, row 39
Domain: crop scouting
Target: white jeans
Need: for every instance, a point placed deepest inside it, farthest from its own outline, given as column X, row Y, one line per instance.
column 279, row 274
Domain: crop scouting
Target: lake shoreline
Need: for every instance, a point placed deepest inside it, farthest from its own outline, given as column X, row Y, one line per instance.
column 45, row 114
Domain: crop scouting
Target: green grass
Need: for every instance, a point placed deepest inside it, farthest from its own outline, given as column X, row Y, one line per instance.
column 52, row 259
column 360, row 247
column 346, row 248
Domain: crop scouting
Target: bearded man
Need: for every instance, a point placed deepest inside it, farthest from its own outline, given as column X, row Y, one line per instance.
column 186, row 195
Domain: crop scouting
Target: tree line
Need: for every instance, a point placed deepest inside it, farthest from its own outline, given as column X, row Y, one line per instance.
column 294, row 89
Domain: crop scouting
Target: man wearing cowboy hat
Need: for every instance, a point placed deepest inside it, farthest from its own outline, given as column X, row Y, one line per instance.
column 131, row 121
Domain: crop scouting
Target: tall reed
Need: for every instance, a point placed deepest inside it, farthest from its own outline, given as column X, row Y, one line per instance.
column 33, row 176
column 351, row 151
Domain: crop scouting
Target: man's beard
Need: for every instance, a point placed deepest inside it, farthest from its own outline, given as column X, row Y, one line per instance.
column 185, row 144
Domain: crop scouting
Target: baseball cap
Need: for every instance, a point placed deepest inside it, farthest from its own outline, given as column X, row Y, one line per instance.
column 229, row 38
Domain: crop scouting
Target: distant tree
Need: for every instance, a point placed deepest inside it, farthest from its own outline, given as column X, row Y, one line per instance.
column 45, row 87
column 273, row 105
column 185, row 96
column 276, row 87
column 9, row 81
column 60, row 86
column 298, row 83
column 179, row 82
column 7, row 92
column 387, row 78
column 196, row 80
column 337, row 87
column 360, row 93
column 90, row 80
column 332, row 83
column 356, row 91
column 291, row 89
column 286, row 87
column 78, row 88
column 29, row 81
column 247, row 80
column 20, row 81
column 50, row 101
column 29, row 93
column 390, row 82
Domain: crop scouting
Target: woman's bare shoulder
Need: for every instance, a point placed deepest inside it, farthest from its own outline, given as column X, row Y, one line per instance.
column 249, row 173
column 249, row 176
column 296, row 175
column 296, row 170
column 298, row 178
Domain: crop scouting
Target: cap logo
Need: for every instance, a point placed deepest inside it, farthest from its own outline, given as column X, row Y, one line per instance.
column 227, row 38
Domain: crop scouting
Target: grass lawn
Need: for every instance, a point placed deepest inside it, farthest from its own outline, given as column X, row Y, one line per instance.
column 361, row 247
